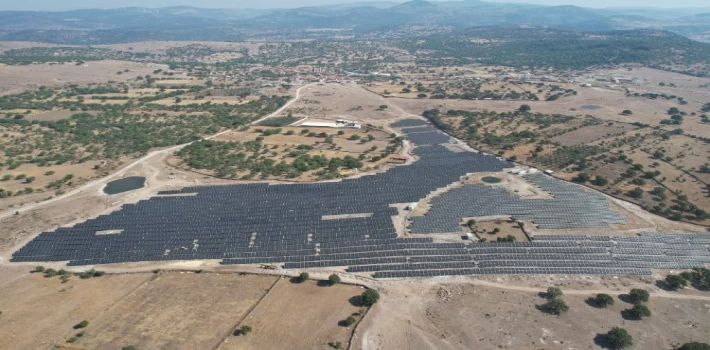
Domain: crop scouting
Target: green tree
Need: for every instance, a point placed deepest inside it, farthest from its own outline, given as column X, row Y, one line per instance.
column 601, row 181
column 334, row 279
column 676, row 281
column 303, row 277
column 349, row 321
column 582, row 178
column 553, row 293
column 638, row 296
column 81, row 324
column 244, row 330
column 370, row 297
column 619, row 338
column 639, row 311
column 555, row 306
column 603, row 300
column 524, row 108
column 636, row 193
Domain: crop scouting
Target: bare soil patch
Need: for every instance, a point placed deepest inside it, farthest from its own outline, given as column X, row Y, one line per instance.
column 13, row 77
column 340, row 101
column 299, row 316
column 177, row 311
column 442, row 316
column 38, row 312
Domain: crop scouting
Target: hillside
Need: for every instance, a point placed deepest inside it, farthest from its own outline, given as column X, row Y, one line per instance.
column 368, row 20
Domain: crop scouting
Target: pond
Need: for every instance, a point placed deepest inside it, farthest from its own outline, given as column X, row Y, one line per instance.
column 124, row 185
column 491, row 180
column 590, row 107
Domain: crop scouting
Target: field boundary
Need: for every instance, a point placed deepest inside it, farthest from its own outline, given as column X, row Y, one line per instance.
column 249, row 312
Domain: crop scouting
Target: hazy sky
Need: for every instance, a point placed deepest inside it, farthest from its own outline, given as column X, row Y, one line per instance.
column 59, row 5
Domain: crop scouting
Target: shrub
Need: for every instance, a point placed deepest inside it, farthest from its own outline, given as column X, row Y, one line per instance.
column 639, row 311
column 582, row 178
column 555, row 307
column 50, row 273
column 553, row 293
column 333, row 279
column 638, row 296
column 244, row 330
column 676, row 282
column 603, row 300
column 695, row 346
column 38, row 269
column 81, row 324
column 336, row 345
column 303, row 277
column 619, row 338
column 370, row 297
column 349, row 321
column 601, row 181
column 129, row 347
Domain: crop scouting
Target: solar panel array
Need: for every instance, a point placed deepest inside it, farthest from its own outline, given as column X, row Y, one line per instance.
column 283, row 224
column 256, row 223
column 570, row 207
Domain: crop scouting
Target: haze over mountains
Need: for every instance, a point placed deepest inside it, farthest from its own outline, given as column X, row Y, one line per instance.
column 172, row 22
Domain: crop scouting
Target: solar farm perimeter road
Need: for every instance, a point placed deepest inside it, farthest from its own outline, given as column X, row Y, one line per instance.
column 103, row 180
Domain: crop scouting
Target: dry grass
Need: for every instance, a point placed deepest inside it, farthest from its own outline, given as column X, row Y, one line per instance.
column 441, row 316
column 177, row 311
column 298, row 316
column 38, row 312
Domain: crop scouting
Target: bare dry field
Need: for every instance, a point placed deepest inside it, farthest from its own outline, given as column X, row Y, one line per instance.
column 15, row 77
column 13, row 45
column 177, row 311
column 171, row 310
column 38, row 312
column 162, row 46
column 339, row 101
column 299, row 316
column 464, row 314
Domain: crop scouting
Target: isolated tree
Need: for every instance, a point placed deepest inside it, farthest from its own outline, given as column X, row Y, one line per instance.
column 349, row 321
column 471, row 223
column 582, row 178
column 524, row 108
column 638, row 296
column 555, row 306
column 370, row 297
column 627, row 112
column 303, row 277
column 601, row 181
column 553, row 293
column 81, row 324
column 636, row 193
column 676, row 282
column 244, row 330
column 334, row 279
column 639, row 311
column 603, row 300
column 619, row 338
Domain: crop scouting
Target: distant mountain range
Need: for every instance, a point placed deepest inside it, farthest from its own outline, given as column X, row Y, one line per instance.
column 183, row 23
